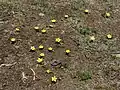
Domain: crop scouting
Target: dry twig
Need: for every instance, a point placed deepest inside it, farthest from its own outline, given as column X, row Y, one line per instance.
column 7, row 65
column 33, row 73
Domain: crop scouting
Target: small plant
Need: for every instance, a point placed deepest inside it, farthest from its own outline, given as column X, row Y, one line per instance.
column 66, row 16
column 41, row 47
column 42, row 54
column 40, row 60
column 67, row 51
column 57, row 40
column 50, row 49
column 12, row 40
column 85, row 31
column 53, row 21
column 17, row 29
column 86, row 11
column 109, row 36
column 33, row 48
column 48, row 71
column 84, row 75
column 43, row 31
column 54, row 79
column 107, row 15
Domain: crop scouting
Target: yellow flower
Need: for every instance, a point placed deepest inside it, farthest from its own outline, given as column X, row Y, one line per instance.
column 36, row 28
column 53, row 20
column 92, row 38
column 48, row 71
column 39, row 60
column 107, row 14
column 109, row 36
column 58, row 40
column 33, row 48
column 42, row 54
column 54, row 79
column 67, row 51
column 50, row 49
column 41, row 47
column 66, row 16
column 43, row 30
column 86, row 11
column 13, row 39
column 17, row 29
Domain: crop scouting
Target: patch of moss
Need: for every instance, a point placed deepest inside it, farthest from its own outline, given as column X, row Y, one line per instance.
column 86, row 31
column 84, row 75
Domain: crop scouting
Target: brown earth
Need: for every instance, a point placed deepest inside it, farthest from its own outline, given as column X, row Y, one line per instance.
column 90, row 65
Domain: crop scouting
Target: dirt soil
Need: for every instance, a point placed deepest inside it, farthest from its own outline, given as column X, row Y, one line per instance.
column 91, row 65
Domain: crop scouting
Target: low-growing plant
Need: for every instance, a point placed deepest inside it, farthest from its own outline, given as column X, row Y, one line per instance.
column 86, row 75
column 85, row 31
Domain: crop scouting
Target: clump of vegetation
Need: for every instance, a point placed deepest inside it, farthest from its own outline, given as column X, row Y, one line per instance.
column 85, row 31
column 84, row 75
